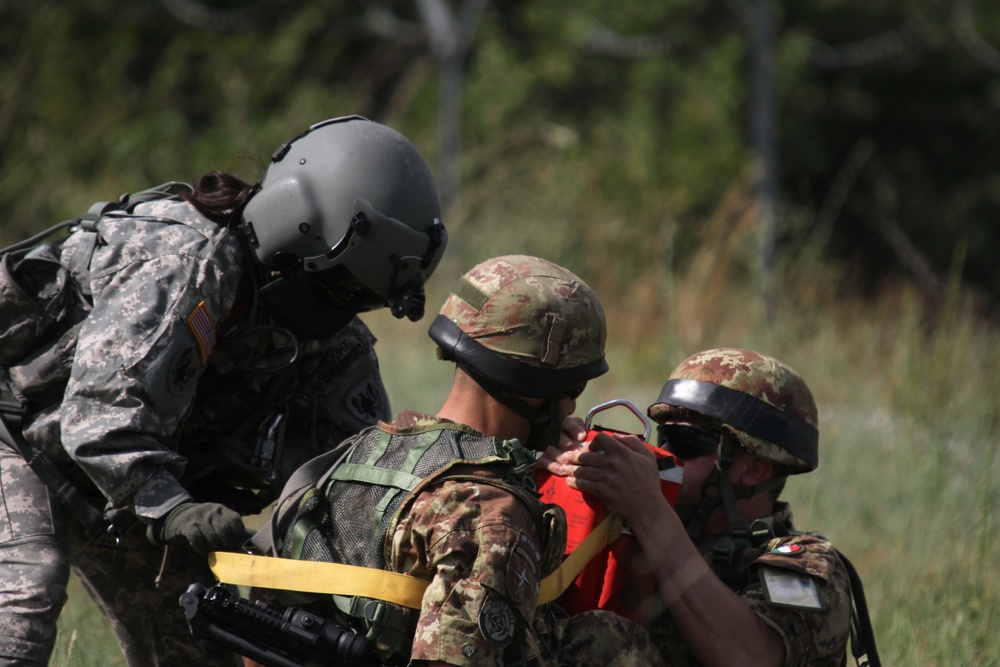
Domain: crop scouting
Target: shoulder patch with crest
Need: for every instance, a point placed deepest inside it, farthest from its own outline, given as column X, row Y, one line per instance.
column 497, row 622
column 522, row 570
column 364, row 401
column 183, row 370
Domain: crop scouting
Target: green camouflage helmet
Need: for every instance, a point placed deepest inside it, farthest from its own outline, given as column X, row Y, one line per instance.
column 525, row 324
column 765, row 404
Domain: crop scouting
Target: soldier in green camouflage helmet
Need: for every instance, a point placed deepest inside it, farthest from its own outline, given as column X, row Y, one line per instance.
column 524, row 328
column 788, row 439
column 451, row 495
column 736, row 580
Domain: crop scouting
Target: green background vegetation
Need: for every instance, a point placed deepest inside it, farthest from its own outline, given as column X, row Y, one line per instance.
column 637, row 173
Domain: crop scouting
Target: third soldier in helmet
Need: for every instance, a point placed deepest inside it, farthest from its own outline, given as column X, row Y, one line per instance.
column 737, row 584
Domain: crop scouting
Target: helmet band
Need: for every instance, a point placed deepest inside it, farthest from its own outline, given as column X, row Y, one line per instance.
column 745, row 413
column 517, row 377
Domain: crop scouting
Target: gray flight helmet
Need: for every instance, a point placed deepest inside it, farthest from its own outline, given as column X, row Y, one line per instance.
column 352, row 198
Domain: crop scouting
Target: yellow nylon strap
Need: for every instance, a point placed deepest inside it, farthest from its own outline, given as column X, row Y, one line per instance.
column 338, row 579
column 315, row 577
column 556, row 583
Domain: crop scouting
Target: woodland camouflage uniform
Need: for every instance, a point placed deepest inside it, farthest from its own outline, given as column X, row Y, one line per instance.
column 472, row 525
column 762, row 405
column 817, row 638
column 471, row 495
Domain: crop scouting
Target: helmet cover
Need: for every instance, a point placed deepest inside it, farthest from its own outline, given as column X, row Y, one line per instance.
column 761, row 401
column 529, row 325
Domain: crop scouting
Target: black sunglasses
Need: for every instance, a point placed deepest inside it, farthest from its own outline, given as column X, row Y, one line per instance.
column 686, row 441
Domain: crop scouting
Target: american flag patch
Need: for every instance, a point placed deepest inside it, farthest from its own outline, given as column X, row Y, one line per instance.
column 203, row 327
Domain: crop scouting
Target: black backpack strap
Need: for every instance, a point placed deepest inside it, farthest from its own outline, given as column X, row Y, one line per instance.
column 862, row 634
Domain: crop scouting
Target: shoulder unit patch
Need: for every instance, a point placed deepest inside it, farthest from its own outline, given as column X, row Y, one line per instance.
column 497, row 622
column 788, row 588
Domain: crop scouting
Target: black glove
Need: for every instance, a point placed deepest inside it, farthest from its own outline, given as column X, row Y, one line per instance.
column 203, row 527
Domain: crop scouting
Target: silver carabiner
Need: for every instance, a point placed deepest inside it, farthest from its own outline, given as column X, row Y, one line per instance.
column 647, row 426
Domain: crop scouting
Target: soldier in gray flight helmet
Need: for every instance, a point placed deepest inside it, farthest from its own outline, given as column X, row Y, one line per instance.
column 351, row 243
column 166, row 365
column 524, row 328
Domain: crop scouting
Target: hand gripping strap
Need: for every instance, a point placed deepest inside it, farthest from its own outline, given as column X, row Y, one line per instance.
column 338, row 579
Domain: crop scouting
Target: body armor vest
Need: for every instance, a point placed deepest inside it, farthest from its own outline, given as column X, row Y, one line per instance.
column 371, row 483
column 346, row 518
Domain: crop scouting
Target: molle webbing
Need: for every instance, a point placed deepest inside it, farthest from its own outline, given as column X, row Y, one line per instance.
column 377, row 475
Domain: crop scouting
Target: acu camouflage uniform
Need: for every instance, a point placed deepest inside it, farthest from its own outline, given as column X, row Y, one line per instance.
column 147, row 402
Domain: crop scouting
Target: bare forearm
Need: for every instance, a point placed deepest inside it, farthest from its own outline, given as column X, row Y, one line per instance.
column 718, row 626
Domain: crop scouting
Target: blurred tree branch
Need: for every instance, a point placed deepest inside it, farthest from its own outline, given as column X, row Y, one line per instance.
column 603, row 41
column 451, row 37
column 965, row 31
column 877, row 48
column 199, row 15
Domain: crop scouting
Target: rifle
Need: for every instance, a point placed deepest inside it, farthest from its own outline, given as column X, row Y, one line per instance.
column 294, row 638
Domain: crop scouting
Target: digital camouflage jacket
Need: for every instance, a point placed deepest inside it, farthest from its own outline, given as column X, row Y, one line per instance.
column 160, row 392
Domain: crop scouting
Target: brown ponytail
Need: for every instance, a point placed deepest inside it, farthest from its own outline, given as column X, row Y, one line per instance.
column 220, row 197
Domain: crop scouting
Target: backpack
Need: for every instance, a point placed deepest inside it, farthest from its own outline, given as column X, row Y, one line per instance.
column 44, row 297
column 38, row 280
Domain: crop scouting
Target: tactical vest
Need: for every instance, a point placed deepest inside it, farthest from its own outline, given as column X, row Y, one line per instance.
column 348, row 517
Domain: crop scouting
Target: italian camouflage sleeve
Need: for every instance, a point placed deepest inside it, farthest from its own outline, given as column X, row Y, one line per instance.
column 802, row 591
column 478, row 546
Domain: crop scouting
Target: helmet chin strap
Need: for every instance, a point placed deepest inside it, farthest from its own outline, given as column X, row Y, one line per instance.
column 694, row 520
column 544, row 420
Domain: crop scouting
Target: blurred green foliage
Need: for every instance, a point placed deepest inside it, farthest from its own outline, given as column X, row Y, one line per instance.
column 614, row 125
column 637, row 173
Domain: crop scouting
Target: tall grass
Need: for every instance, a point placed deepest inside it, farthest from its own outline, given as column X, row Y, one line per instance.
column 909, row 477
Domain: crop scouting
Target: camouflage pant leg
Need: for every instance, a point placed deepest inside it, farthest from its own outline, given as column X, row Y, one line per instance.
column 604, row 639
column 34, row 564
column 147, row 619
